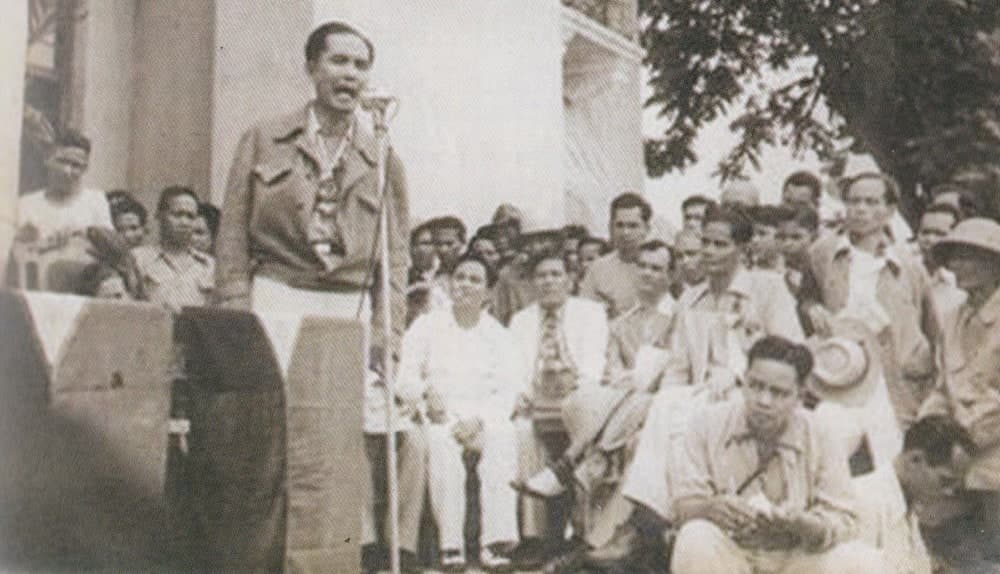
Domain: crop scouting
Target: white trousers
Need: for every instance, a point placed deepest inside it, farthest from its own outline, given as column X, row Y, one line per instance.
column 650, row 477
column 270, row 296
column 703, row 548
column 446, row 474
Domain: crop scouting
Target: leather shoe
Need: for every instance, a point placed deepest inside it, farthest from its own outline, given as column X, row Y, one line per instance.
column 568, row 562
column 624, row 544
column 545, row 484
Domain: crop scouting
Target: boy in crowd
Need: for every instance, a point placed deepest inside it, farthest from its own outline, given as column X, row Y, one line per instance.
column 129, row 218
column 765, row 251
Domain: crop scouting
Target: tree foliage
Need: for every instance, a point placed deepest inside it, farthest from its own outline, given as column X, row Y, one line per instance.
column 914, row 83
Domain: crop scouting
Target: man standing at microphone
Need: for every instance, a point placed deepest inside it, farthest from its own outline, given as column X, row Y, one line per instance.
column 299, row 231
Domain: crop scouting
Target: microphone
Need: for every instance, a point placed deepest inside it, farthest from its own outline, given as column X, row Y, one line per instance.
column 374, row 99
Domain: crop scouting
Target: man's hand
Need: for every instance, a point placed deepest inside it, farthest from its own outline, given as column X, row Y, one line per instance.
column 522, row 407
column 467, row 431
column 822, row 320
column 730, row 513
column 798, row 529
column 436, row 409
column 770, row 532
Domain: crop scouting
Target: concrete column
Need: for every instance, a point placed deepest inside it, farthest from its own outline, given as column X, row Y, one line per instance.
column 259, row 71
column 172, row 96
column 105, row 80
column 14, row 46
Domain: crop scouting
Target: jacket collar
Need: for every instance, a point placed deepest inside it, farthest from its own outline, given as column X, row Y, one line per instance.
column 294, row 126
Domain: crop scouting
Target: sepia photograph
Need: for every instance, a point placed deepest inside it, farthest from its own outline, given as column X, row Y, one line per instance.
column 523, row 286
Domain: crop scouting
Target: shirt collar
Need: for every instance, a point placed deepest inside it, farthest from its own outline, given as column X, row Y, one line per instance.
column 194, row 253
column 885, row 250
column 793, row 440
column 741, row 285
column 313, row 126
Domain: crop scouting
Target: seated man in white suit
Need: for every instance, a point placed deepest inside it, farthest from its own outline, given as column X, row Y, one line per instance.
column 561, row 347
column 463, row 361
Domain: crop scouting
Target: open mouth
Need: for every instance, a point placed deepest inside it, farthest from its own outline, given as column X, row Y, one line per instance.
column 346, row 91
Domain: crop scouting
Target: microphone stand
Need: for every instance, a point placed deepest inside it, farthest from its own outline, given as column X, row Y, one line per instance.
column 381, row 126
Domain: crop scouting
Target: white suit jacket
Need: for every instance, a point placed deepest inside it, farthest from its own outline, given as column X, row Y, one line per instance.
column 585, row 327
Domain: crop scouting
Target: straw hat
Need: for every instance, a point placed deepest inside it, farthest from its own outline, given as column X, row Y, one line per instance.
column 846, row 365
column 977, row 232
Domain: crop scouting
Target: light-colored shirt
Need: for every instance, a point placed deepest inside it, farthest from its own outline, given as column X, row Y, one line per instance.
column 863, row 276
column 612, row 281
column 755, row 299
column 175, row 280
column 809, row 472
column 968, row 385
column 87, row 208
column 637, row 328
column 471, row 369
column 887, row 522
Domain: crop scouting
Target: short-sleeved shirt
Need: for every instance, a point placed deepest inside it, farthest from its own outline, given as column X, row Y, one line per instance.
column 87, row 208
column 612, row 281
column 809, row 472
column 176, row 280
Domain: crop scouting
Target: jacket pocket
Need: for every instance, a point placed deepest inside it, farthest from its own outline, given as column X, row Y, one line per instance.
column 272, row 174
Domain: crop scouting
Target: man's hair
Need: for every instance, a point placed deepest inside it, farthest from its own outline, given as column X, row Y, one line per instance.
column 801, row 215
column 630, row 200
column 422, row 228
column 211, row 215
column 654, row 245
column 740, row 226
column 574, row 231
column 69, row 137
column 695, row 201
column 936, row 436
column 602, row 243
column 805, row 179
column 491, row 274
column 769, row 215
column 448, row 222
column 128, row 205
column 969, row 203
column 946, row 209
column 781, row 349
column 546, row 255
column 168, row 195
column 889, row 185
column 117, row 195
column 316, row 42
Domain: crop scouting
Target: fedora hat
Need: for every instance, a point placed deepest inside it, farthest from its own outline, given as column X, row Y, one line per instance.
column 846, row 366
column 978, row 232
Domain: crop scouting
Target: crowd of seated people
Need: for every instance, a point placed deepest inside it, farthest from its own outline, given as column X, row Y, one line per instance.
column 806, row 386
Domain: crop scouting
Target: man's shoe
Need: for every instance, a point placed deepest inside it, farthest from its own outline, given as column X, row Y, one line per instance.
column 452, row 561
column 568, row 562
column 627, row 540
column 529, row 554
column 408, row 563
column 545, row 484
column 494, row 561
